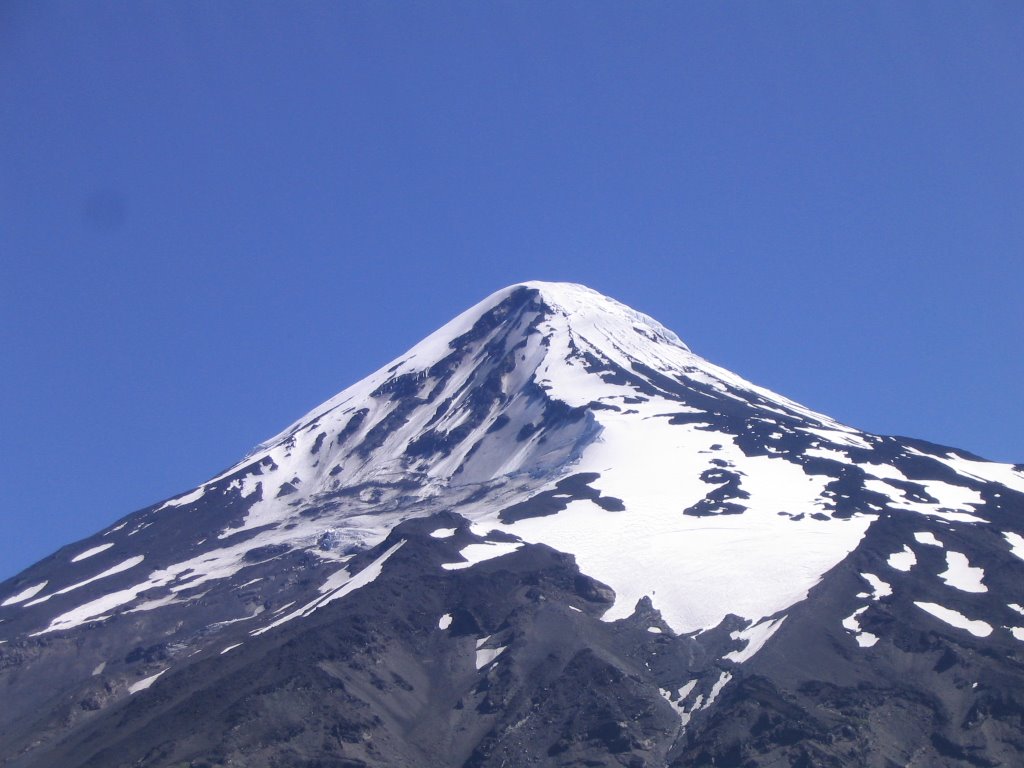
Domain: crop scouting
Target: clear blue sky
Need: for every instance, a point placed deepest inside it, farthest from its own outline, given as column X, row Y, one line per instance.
column 213, row 216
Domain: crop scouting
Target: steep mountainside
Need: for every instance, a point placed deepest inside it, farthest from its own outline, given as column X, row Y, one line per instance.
column 549, row 534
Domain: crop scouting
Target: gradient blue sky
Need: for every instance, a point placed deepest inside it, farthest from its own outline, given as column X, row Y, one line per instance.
column 213, row 216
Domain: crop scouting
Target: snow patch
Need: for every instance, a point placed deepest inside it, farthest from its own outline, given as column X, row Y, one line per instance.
column 954, row 503
column 826, row 453
column 903, row 561
column 221, row 624
column 928, row 538
column 478, row 553
column 755, row 636
column 962, row 575
column 716, row 689
column 159, row 602
column 145, row 683
column 96, row 610
column 445, row 621
column 25, row 594
column 131, row 562
column 986, row 471
column 443, row 533
column 678, row 704
column 485, row 656
column 879, row 588
column 1016, row 542
column 337, row 586
column 843, row 436
column 187, row 498
column 852, row 624
column 90, row 552
column 956, row 619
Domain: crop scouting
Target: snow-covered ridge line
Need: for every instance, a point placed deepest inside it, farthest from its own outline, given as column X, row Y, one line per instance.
column 580, row 312
column 420, row 357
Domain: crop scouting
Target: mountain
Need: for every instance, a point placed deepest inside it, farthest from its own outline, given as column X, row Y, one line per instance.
column 547, row 535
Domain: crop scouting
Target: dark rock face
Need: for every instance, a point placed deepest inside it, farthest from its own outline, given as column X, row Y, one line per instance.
column 374, row 680
column 557, row 499
column 424, row 571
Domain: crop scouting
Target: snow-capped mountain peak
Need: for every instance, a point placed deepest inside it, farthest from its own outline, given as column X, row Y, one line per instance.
column 550, row 417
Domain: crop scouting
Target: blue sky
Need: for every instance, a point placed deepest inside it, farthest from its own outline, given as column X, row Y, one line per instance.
column 213, row 216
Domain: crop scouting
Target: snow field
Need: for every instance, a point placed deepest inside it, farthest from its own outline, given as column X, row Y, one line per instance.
column 695, row 569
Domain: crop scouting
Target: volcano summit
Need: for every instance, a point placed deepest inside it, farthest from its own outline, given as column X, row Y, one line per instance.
column 547, row 535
